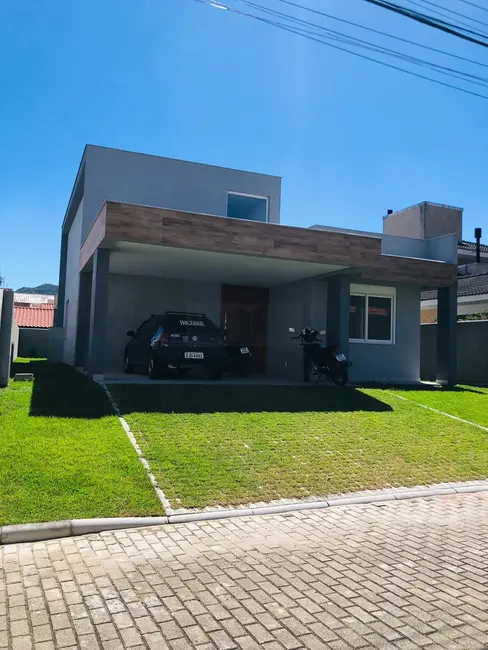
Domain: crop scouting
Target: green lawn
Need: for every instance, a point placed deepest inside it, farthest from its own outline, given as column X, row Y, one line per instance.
column 227, row 445
column 64, row 454
column 467, row 402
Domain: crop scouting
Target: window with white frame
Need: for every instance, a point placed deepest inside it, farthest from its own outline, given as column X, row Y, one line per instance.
column 372, row 314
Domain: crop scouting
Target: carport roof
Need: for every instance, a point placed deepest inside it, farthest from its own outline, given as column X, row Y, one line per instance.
column 120, row 224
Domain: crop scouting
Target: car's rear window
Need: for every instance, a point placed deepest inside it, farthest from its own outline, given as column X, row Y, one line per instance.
column 190, row 324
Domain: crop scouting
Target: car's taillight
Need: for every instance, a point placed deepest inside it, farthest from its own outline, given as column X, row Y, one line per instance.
column 164, row 338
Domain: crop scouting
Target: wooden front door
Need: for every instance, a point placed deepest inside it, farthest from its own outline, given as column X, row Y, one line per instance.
column 244, row 313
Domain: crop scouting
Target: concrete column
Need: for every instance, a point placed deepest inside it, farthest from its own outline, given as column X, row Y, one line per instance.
column 98, row 313
column 447, row 335
column 59, row 316
column 338, row 312
column 83, row 320
column 6, row 321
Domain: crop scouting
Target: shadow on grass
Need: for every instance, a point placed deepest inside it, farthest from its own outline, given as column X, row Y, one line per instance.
column 242, row 399
column 60, row 391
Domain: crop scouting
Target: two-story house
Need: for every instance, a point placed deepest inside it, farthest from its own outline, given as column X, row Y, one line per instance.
column 144, row 234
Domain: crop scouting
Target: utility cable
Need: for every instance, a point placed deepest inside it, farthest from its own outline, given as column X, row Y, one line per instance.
column 220, row 5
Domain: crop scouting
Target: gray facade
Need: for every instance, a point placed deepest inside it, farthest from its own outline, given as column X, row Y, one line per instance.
column 114, row 175
column 306, row 304
column 117, row 289
column 128, row 177
column 398, row 362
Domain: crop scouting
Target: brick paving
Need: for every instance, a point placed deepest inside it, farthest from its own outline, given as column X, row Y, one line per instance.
column 400, row 575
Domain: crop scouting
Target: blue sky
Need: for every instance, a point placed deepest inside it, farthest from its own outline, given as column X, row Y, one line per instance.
column 179, row 79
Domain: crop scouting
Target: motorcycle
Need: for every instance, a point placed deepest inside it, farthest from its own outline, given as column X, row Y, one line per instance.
column 238, row 357
column 320, row 361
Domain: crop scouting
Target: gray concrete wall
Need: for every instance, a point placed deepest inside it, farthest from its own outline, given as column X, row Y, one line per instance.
column 34, row 342
column 299, row 304
column 72, row 286
column 114, row 175
column 405, row 223
column 304, row 304
column 132, row 299
column 399, row 362
column 443, row 220
column 424, row 221
column 472, row 352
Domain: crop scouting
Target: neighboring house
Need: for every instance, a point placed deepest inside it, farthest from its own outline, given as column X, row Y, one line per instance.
column 472, row 297
column 472, row 290
column 467, row 253
column 144, row 234
column 33, row 299
column 34, row 315
column 40, row 317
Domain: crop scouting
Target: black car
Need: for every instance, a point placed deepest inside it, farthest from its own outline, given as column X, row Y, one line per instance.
column 176, row 342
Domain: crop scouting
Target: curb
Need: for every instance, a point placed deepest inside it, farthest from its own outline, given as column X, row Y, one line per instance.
column 73, row 527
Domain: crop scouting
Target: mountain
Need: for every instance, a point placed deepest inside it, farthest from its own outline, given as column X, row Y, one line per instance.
column 47, row 289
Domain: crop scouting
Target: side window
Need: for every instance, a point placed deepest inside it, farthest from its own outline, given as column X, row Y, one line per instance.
column 147, row 329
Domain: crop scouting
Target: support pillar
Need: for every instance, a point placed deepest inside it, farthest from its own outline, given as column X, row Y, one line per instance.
column 6, row 321
column 83, row 320
column 59, row 313
column 98, row 313
column 338, row 312
column 447, row 335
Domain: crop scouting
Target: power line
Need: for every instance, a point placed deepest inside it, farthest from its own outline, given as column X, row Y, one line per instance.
column 381, row 33
column 221, row 5
column 436, row 23
column 473, row 4
column 427, row 4
column 356, row 42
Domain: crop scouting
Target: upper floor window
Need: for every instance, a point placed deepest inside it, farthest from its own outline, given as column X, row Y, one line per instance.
column 247, row 206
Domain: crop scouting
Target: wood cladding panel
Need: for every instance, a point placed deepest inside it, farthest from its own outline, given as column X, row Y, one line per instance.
column 148, row 225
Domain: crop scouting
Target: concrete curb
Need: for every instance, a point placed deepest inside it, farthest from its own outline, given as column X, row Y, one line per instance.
column 56, row 529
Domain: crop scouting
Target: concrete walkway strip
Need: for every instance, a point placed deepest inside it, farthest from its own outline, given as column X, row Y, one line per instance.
column 125, row 425
column 57, row 529
column 430, row 408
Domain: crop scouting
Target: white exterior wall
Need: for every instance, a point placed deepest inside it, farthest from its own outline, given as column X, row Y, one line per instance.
column 72, row 286
column 133, row 298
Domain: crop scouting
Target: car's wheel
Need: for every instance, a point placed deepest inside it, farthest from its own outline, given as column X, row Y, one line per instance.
column 153, row 369
column 128, row 366
column 215, row 374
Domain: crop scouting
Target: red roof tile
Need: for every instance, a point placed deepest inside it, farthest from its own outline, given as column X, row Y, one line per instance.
column 42, row 316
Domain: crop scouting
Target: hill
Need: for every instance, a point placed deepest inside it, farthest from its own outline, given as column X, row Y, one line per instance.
column 47, row 289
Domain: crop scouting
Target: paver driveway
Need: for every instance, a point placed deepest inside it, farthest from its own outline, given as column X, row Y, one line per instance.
column 409, row 574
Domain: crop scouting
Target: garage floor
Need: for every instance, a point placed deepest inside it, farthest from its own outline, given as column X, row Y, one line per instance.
column 122, row 378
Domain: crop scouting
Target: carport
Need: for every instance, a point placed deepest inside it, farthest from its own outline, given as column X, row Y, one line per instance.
column 256, row 279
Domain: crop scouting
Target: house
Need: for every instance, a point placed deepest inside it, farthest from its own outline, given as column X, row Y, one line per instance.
column 472, row 297
column 34, row 315
column 472, row 290
column 144, row 234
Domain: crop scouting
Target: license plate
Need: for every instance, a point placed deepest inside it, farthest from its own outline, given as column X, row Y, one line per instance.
column 340, row 357
column 244, row 350
column 193, row 355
